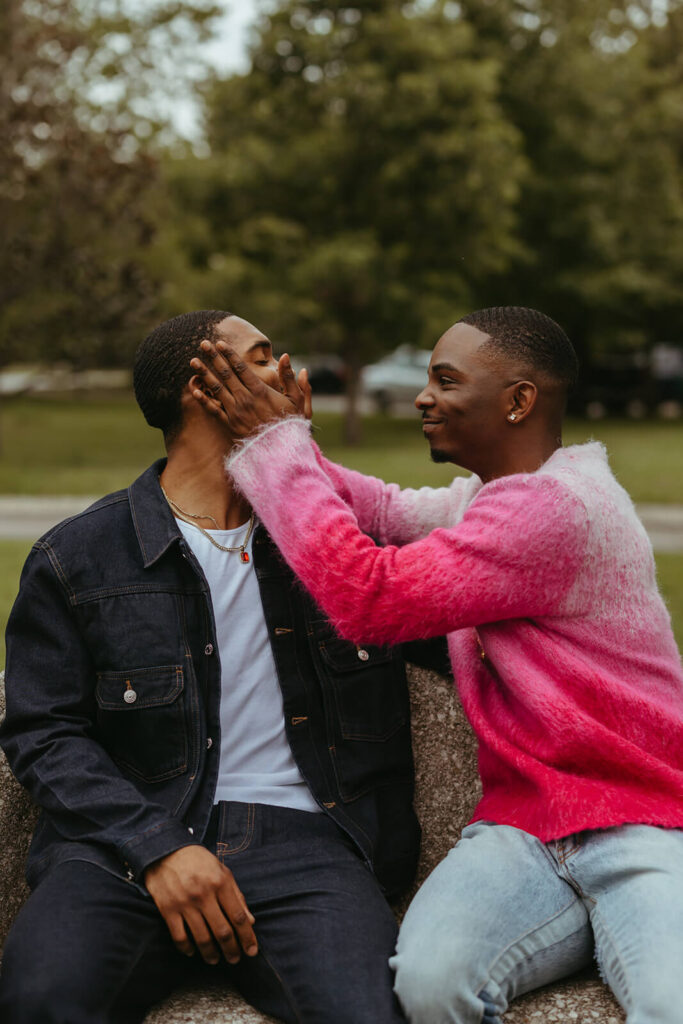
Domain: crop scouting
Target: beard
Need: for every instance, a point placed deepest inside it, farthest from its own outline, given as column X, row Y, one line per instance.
column 438, row 455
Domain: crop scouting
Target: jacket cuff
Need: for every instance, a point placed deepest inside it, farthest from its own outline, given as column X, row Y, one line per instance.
column 141, row 851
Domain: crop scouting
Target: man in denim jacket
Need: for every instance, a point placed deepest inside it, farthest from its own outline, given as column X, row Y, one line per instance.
column 219, row 774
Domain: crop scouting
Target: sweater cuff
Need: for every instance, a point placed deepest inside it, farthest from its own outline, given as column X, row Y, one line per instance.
column 141, row 851
column 288, row 432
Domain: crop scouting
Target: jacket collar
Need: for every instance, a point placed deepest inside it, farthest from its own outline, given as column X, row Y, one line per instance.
column 154, row 523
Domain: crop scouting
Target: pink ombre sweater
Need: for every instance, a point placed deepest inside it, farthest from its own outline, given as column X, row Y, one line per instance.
column 561, row 645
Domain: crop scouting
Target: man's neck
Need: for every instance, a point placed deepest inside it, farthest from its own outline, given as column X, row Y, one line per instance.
column 195, row 480
column 522, row 459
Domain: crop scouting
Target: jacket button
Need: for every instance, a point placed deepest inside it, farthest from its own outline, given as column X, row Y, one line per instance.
column 130, row 696
column 209, row 743
column 208, row 649
column 363, row 654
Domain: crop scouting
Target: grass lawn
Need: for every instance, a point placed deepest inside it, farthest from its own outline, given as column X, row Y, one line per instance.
column 12, row 556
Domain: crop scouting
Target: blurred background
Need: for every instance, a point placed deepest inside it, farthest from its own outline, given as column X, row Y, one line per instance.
column 352, row 178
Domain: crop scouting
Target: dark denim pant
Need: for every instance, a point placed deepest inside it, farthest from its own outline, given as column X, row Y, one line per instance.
column 89, row 947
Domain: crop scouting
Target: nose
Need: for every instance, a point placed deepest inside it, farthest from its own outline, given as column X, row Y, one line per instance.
column 270, row 376
column 425, row 399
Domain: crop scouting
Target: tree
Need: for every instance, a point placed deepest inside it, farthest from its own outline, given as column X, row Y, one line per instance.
column 80, row 190
column 596, row 92
column 381, row 170
column 362, row 184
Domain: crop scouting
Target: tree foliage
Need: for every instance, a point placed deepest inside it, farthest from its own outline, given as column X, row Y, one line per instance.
column 363, row 179
column 596, row 91
column 383, row 168
column 79, row 178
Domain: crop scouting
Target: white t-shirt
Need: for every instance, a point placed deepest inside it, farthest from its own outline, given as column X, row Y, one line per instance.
column 256, row 762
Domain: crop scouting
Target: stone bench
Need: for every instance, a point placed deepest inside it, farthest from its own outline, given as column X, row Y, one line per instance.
column 447, row 790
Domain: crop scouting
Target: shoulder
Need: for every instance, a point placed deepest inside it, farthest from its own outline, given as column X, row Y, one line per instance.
column 541, row 510
column 94, row 521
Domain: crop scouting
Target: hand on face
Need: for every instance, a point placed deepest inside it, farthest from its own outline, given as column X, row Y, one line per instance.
column 226, row 387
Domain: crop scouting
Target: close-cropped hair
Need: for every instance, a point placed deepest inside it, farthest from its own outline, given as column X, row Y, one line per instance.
column 531, row 338
column 162, row 368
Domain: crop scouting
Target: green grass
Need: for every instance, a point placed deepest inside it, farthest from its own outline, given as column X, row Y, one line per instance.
column 12, row 556
column 71, row 446
column 92, row 446
column 670, row 577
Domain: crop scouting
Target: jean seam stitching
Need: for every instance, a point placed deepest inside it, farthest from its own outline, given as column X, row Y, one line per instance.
column 519, row 938
column 605, row 934
column 226, row 849
column 285, row 988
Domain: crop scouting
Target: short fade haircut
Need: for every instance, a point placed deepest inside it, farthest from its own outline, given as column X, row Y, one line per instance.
column 532, row 337
column 162, row 368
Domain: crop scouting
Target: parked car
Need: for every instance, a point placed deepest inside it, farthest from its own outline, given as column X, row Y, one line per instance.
column 326, row 372
column 398, row 377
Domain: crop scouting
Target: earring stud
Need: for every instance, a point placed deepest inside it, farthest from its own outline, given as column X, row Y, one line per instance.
column 512, row 417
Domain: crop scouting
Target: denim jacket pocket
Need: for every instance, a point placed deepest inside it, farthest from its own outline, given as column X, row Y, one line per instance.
column 141, row 720
column 364, row 681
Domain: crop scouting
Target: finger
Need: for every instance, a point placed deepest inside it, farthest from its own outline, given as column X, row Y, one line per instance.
column 307, row 391
column 202, row 936
column 236, row 910
column 205, row 380
column 209, row 403
column 181, row 940
column 238, row 369
column 223, row 933
column 218, row 371
column 289, row 383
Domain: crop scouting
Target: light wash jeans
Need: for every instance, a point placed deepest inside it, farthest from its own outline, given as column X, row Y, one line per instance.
column 504, row 913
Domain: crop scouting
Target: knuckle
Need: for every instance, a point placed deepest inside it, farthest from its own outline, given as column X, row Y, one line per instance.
column 196, row 890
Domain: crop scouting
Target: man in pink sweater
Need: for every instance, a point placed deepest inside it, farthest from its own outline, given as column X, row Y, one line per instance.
column 541, row 574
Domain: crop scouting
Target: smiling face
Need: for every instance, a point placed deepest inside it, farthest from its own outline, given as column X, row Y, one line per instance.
column 467, row 400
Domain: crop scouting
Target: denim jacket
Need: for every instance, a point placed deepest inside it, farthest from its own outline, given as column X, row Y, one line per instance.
column 112, row 602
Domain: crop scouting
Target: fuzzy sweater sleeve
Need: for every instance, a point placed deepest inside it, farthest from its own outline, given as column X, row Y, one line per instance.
column 515, row 554
column 395, row 515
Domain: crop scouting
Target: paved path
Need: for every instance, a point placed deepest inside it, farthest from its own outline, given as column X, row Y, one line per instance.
column 25, row 518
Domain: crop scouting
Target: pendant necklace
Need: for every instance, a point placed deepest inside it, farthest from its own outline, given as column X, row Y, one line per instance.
column 190, row 517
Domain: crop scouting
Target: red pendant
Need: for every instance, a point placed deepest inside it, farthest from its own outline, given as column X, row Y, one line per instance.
column 244, row 556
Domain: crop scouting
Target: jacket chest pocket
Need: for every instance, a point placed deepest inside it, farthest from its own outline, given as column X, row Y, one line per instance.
column 141, row 720
column 372, row 748
column 366, row 683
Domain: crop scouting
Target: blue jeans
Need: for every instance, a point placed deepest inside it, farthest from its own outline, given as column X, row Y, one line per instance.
column 504, row 913
column 90, row 948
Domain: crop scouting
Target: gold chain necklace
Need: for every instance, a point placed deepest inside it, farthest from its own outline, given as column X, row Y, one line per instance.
column 188, row 517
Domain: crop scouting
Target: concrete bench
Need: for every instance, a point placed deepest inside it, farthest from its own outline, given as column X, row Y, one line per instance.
column 447, row 790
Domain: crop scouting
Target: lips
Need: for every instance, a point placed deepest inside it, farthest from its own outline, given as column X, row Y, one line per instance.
column 429, row 426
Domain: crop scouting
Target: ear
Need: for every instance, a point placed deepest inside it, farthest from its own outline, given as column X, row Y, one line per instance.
column 189, row 407
column 521, row 400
